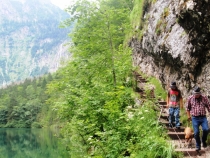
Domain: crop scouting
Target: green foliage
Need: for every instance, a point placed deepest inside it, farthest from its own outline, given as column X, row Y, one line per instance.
column 150, row 138
column 136, row 17
column 137, row 13
column 160, row 93
column 36, row 125
column 22, row 105
column 91, row 94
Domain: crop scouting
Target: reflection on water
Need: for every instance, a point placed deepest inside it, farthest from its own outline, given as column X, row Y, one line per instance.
column 30, row 143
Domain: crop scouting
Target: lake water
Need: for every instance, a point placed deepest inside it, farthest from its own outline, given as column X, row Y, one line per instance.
column 30, row 143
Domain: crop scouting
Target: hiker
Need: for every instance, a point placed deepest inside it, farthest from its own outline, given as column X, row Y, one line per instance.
column 174, row 103
column 196, row 112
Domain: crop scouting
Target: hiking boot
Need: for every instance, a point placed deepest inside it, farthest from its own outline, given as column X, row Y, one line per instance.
column 204, row 145
column 178, row 127
column 197, row 149
column 170, row 125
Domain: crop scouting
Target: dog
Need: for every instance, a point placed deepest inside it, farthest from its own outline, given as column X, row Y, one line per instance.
column 188, row 135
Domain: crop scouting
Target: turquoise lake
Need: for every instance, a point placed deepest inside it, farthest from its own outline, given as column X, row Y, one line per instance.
column 30, row 143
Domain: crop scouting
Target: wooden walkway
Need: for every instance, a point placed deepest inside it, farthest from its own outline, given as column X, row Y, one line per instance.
column 176, row 136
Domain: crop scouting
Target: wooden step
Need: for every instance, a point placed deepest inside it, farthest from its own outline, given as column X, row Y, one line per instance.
column 166, row 125
column 142, row 94
column 175, row 129
column 176, row 135
column 162, row 102
column 162, row 106
column 190, row 152
column 165, row 110
column 141, row 80
column 163, row 122
column 137, row 89
column 139, row 77
column 165, row 117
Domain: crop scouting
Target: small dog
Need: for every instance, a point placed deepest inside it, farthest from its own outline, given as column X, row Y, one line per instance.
column 188, row 135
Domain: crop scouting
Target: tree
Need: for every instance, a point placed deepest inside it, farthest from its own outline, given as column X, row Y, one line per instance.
column 30, row 92
column 98, row 33
column 13, row 102
column 93, row 87
column 3, row 115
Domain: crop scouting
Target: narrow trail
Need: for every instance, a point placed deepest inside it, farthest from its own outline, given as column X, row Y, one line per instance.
column 176, row 136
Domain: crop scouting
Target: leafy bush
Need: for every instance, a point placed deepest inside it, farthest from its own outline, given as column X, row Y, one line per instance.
column 160, row 93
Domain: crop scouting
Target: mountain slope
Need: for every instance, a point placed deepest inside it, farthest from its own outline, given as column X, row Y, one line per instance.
column 31, row 42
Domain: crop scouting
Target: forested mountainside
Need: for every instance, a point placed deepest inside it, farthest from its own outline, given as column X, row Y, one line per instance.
column 31, row 42
column 175, row 43
column 24, row 105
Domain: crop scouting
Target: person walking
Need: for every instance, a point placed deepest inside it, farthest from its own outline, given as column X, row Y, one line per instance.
column 174, row 103
column 196, row 107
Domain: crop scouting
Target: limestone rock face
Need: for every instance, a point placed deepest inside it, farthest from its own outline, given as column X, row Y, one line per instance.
column 175, row 45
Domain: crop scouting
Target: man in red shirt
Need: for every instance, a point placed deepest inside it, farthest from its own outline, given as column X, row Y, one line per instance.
column 174, row 103
column 196, row 111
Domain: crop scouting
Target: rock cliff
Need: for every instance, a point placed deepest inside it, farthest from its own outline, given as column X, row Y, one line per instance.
column 175, row 45
column 31, row 42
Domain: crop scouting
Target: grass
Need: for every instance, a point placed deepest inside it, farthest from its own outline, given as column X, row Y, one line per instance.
column 137, row 13
column 160, row 93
